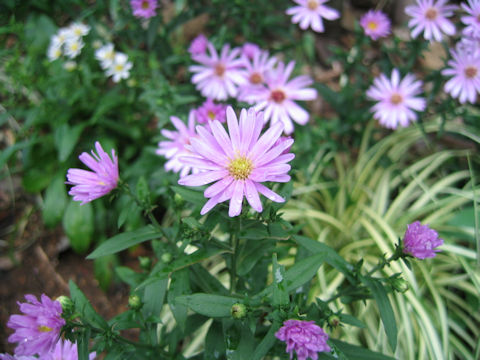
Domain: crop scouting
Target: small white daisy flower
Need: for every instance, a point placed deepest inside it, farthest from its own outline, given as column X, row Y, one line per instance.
column 120, row 68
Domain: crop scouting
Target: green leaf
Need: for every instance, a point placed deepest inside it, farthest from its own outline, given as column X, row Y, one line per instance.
column 279, row 293
column 82, row 346
column 125, row 240
column 179, row 285
column 357, row 352
column 206, row 281
column 128, row 211
column 193, row 196
column 127, row 275
column 66, row 138
column 6, row 153
column 78, row 223
column 214, row 341
column 208, row 304
column 154, row 297
column 267, row 342
column 351, row 320
column 103, row 268
column 85, row 309
column 303, row 271
column 143, row 191
column 55, row 201
column 385, row 308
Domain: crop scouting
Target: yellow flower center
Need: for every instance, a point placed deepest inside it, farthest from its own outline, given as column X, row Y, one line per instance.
column 78, row 31
column 211, row 115
column 372, row 25
column 118, row 67
column 145, row 5
column 43, row 328
column 74, row 47
column 312, row 4
column 431, row 14
column 396, row 99
column 471, row 72
column 256, row 78
column 240, row 168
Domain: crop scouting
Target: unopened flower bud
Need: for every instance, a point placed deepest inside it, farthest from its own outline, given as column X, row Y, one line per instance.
column 145, row 262
column 134, row 302
column 399, row 285
column 67, row 304
column 178, row 200
column 238, row 311
column 166, row 258
column 333, row 321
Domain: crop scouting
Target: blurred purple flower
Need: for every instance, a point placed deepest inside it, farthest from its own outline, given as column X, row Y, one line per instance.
column 16, row 357
column 250, row 49
column 144, row 8
column 90, row 185
column 464, row 67
column 396, row 99
column 38, row 330
column 375, row 24
column 430, row 17
column 472, row 19
column 304, row 337
column 420, row 241
column 310, row 13
column 217, row 77
column 256, row 70
column 238, row 162
column 178, row 145
column 278, row 97
column 210, row 111
column 65, row 350
column 198, row 45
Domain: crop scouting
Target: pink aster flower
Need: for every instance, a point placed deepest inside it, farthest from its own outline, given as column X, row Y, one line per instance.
column 144, row 8
column 464, row 67
column 178, row 144
column 375, row 24
column 420, row 241
column 198, row 45
column 309, row 13
column 65, row 350
column 256, row 70
column 304, row 337
column 250, row 49
column 472, row 19
column 218, row 76
column 238, row 162
column 90, row 185
column 16, row 357
column 38, row 330
column 210, row 111
column 396, row 99
column 279, row 95
column 430, row 17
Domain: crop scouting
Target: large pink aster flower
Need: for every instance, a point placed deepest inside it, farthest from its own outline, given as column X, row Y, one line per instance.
column 309, row 13
column 396, row 99
column 375, row 24
column 420, row 241
column 178, row 144
column 144, row 8
column 430, row 17
column 218, row 76
column 256, row 70
column 238, row 161
column 304, row 337
column 464, row 67
column 38, row 330
column 472, row 19
column 90, row 185
column 279, row 95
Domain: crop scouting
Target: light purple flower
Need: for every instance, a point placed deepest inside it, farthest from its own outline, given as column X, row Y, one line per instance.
column 396, row 99
column 144, row 8
column 256, row 70
column 38, row 330
column 278, row 97
column 210, row 111
column 217, row 77
column 472, row 19
column 238, row 161
column 309, row 13
column 16, row 357
column 375, row 24
column 304, row 337
column 90, row 185
column 464, row 67
column 430, row 17
column 178, row 145
column 65, row 350
column 420, row 241
column 250, row 49
column 198, row 45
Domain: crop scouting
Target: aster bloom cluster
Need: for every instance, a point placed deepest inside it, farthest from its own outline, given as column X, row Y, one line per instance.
column 144, row 8
column 67, row 41
column 238, row 162
column 396, row 99
column 375, row 24
column 38, row 329
column 472, row 19
column 115, row 63
column 90, row 185
column 310, row 13
column 305, row 338
column 252, row 76
column 420, row 241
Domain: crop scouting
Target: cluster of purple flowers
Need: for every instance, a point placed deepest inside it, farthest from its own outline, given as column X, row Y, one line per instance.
column 37, row 332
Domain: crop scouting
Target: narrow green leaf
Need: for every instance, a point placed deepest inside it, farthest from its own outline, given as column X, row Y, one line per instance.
column 78, row 223
column 303, row 271
column 82, row 346
column 179, row 285
column 359, row 353
column 85, row 309
column 351, row 320
column 385, row 308
column 267, row 342
column 207, row 304
column 55, row 201
column 125, row 240
column 193, row 196
column 66, row 138
column 153, row 298
column 279, row 293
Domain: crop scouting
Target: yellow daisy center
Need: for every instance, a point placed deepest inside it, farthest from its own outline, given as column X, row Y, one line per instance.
column 372, row 25
column 396, row 99
column 312, row 4
column 119, row 67
column 43, row 328
column 211, row 115
column 145, row 5
column 240, row 168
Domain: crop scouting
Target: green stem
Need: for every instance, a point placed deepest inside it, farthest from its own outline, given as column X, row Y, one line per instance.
column 233, row 270
column 147, row 210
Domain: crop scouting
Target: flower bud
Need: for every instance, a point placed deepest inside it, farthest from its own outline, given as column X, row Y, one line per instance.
column 134, row 302
column 399, row 284
column 145, row 262
column 333, row 321
column 166, row 258
column 178, row 200
column 67, row 304
column 238, row 311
